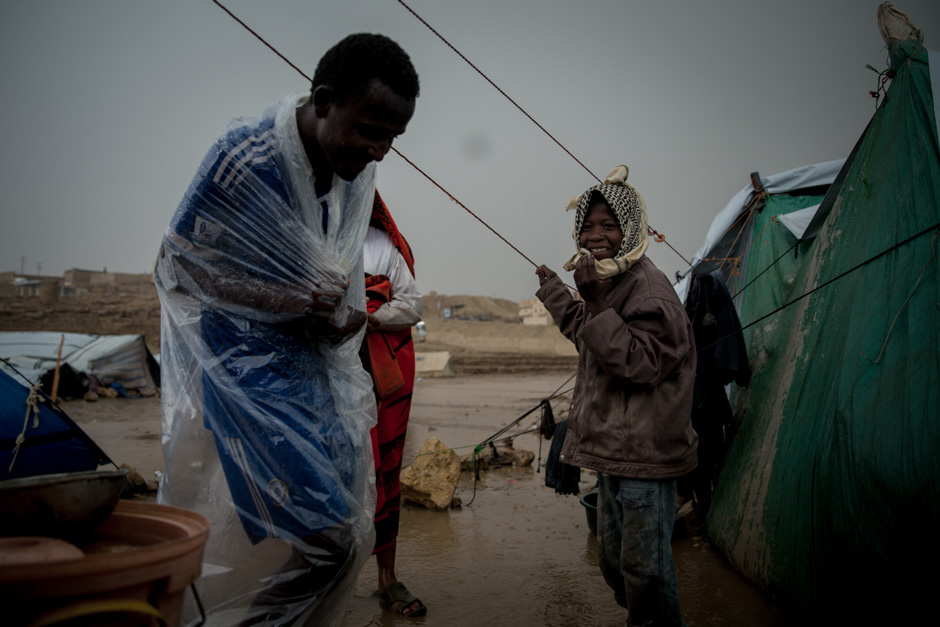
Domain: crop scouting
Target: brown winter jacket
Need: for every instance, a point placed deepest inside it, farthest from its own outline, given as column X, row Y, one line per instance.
column 631, row 413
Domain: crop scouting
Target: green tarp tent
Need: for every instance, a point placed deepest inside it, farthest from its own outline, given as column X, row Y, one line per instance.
column 830, row 496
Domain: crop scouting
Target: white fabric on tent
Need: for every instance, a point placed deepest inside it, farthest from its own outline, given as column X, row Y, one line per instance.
column 32, row 352
column 797, row 221
column 111, row 358
column 791, row 180
column 798, row 178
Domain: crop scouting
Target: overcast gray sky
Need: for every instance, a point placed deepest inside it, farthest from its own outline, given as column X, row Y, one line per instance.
column 110, row 105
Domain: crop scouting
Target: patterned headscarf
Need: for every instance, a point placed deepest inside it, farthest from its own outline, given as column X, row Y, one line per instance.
column 630, row 210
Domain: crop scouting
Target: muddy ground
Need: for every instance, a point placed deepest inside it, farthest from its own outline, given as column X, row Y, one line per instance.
column 515, row 553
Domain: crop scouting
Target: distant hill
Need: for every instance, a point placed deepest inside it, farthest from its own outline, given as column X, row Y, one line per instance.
column 464, row 307
column 497, row 344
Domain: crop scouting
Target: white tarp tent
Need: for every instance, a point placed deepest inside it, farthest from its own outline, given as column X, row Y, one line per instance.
column 122, row 359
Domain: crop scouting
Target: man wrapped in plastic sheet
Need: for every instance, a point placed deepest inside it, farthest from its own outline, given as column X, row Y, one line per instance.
column 267, row 408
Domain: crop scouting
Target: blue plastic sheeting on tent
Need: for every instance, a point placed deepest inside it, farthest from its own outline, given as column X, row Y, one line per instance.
column 54, row 445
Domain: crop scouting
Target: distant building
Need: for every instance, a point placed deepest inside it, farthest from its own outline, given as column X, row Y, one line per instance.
column 532, row 311
column 14, row 285
column 77, row 281
column 72, row 283
column 27, row 288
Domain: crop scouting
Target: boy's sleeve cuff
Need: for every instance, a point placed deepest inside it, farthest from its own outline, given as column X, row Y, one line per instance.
column 546, row 290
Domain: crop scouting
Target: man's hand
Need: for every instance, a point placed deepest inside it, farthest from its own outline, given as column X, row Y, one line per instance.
column 327, row 330
column 544, row 275
column 326, row 294
column 354, row 320
column 592, row 288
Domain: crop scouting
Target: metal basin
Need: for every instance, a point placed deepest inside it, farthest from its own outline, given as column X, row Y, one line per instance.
column 68, row 505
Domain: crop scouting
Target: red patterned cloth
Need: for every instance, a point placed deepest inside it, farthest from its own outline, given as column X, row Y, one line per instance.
column 389, row 357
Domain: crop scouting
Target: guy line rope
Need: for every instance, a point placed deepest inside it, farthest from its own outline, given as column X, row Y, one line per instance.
column 477, row 447
column 651, row 231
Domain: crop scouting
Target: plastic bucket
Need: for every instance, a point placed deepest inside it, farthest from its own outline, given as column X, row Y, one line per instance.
column 133, row 570
column 589, row 501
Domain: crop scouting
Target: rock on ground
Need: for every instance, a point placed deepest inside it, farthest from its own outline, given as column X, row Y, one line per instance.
column 504, row 456
column 432, row 479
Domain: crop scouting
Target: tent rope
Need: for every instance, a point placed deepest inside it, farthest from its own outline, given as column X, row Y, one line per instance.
column 747, row 215
column 395, row 150
column 497, row 88
column 32, row 409
column 764, row 271
column 261, row 39
column 463, row 206
column 881, row 86
column 754, row 240
column 650, row 231
column 51, row 403
column 935, row 227
column 906, row 301
column 478, row 448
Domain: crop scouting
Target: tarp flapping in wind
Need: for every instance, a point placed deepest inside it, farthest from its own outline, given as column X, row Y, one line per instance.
column 830, row 497
column 122, row 359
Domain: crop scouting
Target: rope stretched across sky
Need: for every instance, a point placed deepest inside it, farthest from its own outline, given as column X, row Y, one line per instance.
column 659, row 237
column 395, row 150
column 651, row 231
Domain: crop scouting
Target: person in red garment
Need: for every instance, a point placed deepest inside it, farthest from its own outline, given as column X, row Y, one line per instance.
column 394, row 306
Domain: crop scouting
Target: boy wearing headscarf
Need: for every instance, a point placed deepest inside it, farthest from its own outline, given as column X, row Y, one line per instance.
column 630, row 419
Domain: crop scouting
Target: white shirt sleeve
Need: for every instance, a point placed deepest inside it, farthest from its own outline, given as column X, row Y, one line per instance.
column 381, row 257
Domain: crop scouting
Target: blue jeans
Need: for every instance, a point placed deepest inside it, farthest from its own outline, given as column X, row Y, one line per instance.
column 634, row 550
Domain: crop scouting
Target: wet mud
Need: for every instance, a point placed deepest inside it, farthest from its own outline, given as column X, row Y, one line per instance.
column 517, row 553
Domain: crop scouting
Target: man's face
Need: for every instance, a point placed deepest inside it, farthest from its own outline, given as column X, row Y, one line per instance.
column 361, row 130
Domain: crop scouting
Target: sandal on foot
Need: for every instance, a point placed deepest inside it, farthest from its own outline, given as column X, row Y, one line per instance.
column 397, row 598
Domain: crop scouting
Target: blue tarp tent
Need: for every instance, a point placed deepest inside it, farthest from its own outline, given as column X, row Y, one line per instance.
column 51, row 441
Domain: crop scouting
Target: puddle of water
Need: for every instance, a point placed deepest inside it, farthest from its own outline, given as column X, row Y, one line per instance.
column 523, row 555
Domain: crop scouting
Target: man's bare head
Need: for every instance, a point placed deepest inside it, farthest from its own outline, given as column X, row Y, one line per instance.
column 349, row 67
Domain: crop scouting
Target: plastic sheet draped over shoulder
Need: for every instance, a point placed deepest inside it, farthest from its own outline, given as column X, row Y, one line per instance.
column 266, row 409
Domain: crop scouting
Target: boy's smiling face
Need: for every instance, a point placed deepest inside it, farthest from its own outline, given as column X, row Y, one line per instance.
column 600, row 231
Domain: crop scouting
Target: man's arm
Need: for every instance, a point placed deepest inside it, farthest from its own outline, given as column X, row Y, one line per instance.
column 224, row 288
column 404, row 309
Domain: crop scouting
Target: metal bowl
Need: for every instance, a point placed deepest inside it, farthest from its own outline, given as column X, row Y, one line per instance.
column 67, row 505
